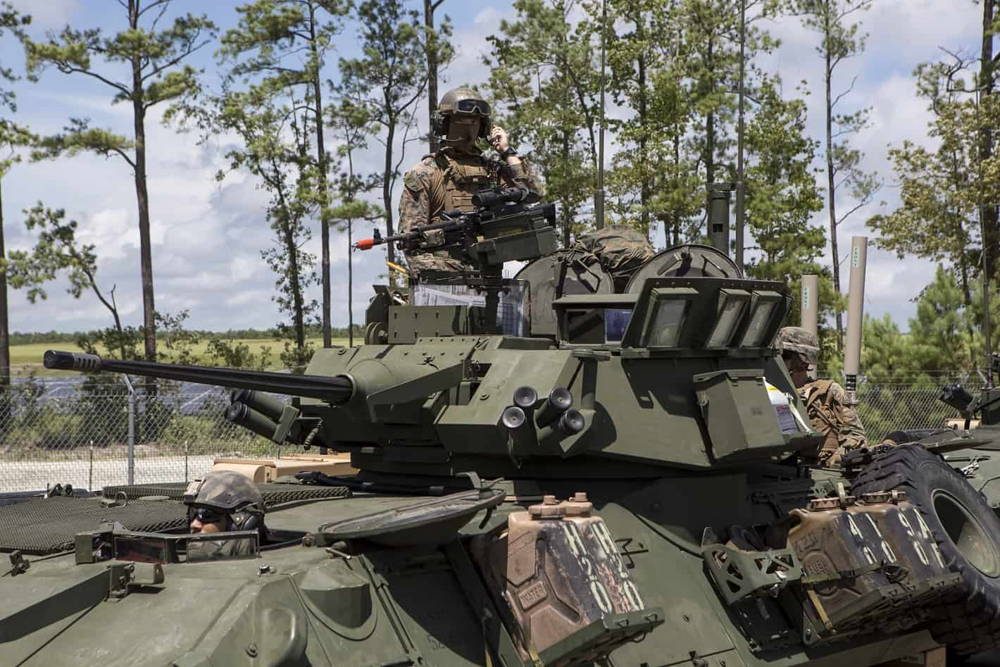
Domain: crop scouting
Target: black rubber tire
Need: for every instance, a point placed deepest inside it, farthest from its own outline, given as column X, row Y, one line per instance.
column 970, row 622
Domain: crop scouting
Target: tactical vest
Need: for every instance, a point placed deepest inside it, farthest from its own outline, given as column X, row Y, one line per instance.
column 462, row 179
column 815, row 395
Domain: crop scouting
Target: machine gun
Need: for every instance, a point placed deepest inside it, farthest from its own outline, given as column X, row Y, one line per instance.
column 507, row 225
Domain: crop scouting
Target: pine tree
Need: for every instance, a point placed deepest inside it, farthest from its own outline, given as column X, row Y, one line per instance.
column 283, row 45
column 151, row 59
column 12, row 136
column 543, row 76
column 840, row 38
column 275, row 132
column 388, row 79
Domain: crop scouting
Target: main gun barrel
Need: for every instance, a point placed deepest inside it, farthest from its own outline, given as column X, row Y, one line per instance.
column 334, row 390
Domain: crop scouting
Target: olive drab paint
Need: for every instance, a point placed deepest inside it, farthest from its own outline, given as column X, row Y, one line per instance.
column 628, row 484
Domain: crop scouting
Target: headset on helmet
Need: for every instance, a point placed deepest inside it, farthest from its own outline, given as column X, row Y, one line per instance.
column 462, row 100
column 230, row 493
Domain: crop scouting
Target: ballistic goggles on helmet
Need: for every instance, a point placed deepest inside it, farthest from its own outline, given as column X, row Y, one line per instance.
column 473, row 106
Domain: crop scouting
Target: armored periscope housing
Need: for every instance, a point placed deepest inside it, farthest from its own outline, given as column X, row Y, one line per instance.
column 651, row 498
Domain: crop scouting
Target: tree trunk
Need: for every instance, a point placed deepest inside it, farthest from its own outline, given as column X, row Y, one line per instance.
column 988, row 214
column 709, row 126
column 644, row 188
column 831, row 185
column 294, row 278
column 390, row 250
column 432, row 73
column 142, row 197
column 567, row 220
column 321, row 162
column 4, row 321
column 675, row 215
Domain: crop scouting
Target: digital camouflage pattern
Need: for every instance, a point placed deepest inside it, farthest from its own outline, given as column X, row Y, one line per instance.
column 832, row 414
column 797, row 339
column 827, row 403
column 446, row 181
column 621, row 250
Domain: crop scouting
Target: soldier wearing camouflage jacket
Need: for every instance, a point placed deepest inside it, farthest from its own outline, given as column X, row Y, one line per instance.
column 827, row 403
column 446, row 180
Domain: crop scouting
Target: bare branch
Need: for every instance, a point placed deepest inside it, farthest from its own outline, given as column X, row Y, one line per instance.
column 66, row 68
column 845, row 92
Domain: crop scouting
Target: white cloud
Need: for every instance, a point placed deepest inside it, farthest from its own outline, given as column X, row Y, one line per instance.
column 207, row 235
column 48, row 13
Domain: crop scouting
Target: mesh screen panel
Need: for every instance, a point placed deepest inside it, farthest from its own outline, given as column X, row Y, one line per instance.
column 47, row 525
column 274, row 494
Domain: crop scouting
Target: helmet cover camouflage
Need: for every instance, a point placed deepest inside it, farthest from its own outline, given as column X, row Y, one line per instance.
column 226, row 491
column 461, row 100
column 797, row 339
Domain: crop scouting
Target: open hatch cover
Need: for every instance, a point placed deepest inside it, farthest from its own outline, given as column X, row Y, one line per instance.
column 425, row 521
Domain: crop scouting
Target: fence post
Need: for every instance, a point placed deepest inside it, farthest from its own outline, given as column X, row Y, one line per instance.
column 131, row 430
column 90, row 475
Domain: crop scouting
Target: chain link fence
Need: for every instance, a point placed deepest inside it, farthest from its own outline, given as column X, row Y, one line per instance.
column 91, row 434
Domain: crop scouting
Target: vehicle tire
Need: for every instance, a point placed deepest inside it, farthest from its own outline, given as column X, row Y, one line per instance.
column 967, row 532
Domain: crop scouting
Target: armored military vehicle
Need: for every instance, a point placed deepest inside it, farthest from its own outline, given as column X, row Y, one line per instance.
column 618, row 475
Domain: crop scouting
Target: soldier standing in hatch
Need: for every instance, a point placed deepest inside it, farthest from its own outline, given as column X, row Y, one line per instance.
column 446, row 180
column 826, row 402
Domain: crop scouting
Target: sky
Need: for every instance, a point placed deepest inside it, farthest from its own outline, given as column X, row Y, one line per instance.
column 207, row 234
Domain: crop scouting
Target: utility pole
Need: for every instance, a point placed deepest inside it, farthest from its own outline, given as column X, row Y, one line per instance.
column 599, row 209
column 432, row 70
column 740, row 183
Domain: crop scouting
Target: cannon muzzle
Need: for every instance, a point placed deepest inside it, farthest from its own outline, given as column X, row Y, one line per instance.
column 334, row 390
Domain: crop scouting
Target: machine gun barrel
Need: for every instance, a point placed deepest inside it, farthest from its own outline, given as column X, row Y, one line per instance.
column 334, row 390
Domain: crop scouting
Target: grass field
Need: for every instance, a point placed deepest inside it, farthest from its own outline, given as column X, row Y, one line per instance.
column 27, row 358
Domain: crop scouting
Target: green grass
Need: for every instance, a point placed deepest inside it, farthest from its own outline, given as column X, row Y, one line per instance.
column 27, row 358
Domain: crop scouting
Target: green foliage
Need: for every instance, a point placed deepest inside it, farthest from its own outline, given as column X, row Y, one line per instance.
column 275, row 150
column 840, row 38
column 387, row 80
column 56, row 250
column 154, row 71
column 941, row 188
column 544, row 73
column 941, row 330
column 278, row 49
column 234, row 354
column 144, row 66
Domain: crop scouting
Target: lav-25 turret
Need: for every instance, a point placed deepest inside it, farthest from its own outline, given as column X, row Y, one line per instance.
column 623, row 480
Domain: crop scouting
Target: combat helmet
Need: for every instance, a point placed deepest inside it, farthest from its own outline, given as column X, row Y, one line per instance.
column 464, row 100
column 229, row 493
column 797, row 339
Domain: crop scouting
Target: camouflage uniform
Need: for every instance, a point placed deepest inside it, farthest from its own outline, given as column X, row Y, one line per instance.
column 832, row 414
column 235, row 496
column 621, row 250
column 446, row 180
column 827, row 404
